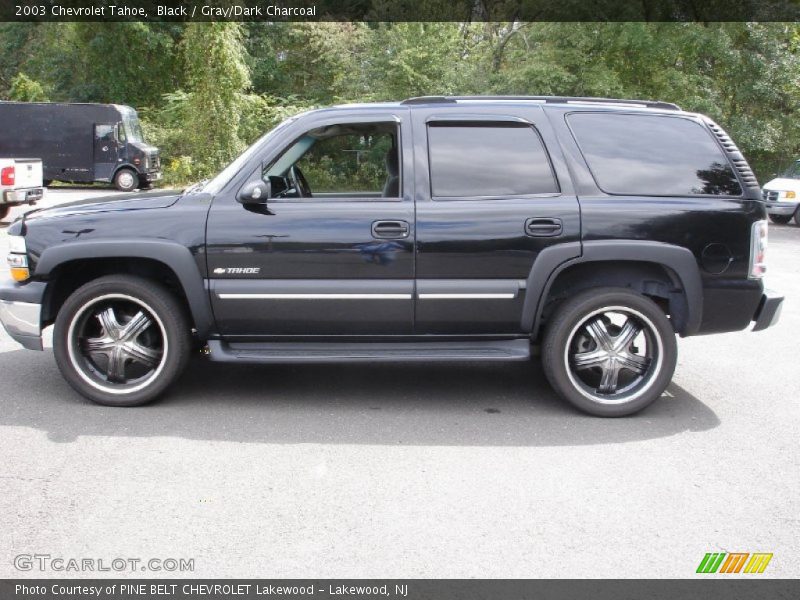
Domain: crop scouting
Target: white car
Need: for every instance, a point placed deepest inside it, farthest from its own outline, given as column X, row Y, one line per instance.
column 782, row 196
column 20, row 182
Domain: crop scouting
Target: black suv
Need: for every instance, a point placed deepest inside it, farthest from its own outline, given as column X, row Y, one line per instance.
column 434, row 229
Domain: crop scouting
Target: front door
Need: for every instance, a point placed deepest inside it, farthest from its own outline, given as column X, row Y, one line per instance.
column 497, row 192
column 332, row 251
column 105, row 151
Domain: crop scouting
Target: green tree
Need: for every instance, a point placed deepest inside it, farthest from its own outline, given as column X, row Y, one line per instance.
column 25, row 89
column 217, row 77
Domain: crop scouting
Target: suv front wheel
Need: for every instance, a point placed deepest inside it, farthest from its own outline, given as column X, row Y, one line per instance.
column 610, row 351
column 121, row 340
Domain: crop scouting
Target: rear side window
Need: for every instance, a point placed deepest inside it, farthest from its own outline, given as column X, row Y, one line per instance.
column 651, row 155
column 487, row 159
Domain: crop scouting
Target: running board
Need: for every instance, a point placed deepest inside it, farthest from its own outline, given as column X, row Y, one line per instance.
column 329, row 352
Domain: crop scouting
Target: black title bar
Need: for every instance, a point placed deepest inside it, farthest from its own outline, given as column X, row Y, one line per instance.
column 401, row 10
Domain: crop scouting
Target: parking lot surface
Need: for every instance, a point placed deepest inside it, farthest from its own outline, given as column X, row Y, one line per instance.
column 411, row 470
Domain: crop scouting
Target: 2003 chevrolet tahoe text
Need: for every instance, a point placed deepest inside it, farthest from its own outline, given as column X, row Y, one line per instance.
column 434, row 229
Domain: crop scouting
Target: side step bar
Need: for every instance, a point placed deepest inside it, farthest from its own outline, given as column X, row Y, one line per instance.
column 329, row 352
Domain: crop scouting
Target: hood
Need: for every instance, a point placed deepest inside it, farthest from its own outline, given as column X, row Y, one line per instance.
column 140, row 201
column 143, row 147
column 782, row 184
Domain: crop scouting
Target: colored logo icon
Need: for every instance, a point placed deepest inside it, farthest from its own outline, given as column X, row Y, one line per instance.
column 734, row 562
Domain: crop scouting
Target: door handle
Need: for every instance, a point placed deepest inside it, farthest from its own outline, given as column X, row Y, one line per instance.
column 390, row 230
column 543, row 227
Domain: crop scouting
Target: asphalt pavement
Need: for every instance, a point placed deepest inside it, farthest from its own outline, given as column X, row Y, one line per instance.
column 463, row 470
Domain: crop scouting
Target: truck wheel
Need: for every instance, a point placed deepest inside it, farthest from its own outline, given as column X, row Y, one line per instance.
column 4, row 211
column 797, row 215
column 781, row 219
column 609, row 351
column 121, row 340
column 47, row 182
column 126, row 180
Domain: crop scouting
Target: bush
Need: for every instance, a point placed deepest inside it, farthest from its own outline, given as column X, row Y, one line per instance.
column 178, row 171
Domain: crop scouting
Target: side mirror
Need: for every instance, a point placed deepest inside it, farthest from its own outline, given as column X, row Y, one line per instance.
column 255, row 192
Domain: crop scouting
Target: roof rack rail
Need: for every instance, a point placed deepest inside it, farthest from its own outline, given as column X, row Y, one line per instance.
column 430, row 100
column 545, row 99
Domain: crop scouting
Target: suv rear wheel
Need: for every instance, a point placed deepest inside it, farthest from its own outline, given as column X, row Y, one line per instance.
column 781, row 219
column 121, row 340
column 610, row 351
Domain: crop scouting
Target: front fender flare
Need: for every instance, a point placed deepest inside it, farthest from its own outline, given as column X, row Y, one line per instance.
column 173, row 255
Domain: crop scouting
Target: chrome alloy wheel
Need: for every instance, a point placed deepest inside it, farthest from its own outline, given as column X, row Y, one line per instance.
column 117, row 343
column 613, row 355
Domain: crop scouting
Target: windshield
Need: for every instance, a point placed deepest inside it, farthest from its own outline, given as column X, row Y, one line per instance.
column 132, row 129
column 793, row 172
column 218, row 182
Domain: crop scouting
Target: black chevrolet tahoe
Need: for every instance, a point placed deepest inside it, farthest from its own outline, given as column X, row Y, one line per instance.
column 434, row 229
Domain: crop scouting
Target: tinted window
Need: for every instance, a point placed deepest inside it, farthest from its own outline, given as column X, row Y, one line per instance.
column 339, row 161
column 650, row 155
column 355, row 162
column 487, row 159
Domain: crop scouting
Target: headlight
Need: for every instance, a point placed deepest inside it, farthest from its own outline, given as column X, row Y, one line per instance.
column 16, row 244
column 791, row 195
column 18, row 258
column 758, row 250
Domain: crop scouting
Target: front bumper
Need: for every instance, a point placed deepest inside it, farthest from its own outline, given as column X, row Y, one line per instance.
column 21, row 312
column 768, row 311
column 781, row 208
column 152, row 176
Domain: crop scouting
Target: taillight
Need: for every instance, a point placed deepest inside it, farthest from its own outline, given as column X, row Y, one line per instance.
column 7, row 176
column 758, row 250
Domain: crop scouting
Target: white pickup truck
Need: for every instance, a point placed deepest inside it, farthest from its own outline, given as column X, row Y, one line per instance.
column 782, row 195
column 20, row 182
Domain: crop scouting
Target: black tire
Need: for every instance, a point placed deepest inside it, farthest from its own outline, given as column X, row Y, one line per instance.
column 166, row 341
column 574, row 334
column 781, row 219
column 4, row 209
column 126, row 180
column 47, row 182
column 797, row 216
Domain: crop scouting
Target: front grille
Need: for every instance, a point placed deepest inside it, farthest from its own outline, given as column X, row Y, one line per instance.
column 770, row 195
column 155, row 161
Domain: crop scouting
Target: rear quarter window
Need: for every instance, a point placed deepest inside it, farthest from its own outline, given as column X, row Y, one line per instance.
column 650, row 155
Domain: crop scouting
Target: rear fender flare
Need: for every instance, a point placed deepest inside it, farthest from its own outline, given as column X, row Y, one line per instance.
column 678, row 260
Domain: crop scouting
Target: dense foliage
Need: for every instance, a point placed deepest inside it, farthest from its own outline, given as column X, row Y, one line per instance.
column 204, row 90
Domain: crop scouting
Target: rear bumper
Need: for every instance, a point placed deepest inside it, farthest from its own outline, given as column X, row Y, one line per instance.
column 23, row 196
column 21, row 312
column 768, row 311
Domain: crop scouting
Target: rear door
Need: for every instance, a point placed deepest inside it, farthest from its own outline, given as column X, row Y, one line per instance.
column 492, row 192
